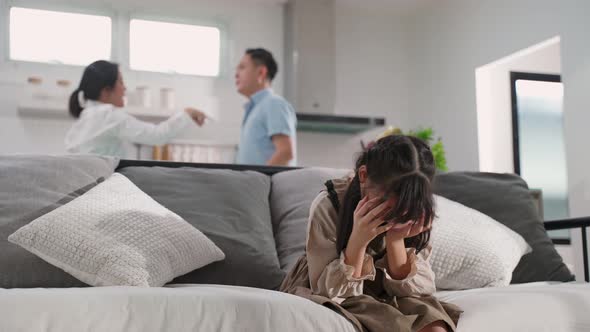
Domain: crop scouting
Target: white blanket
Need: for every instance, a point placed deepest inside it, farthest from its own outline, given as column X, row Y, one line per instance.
column 196, row 308
column 531, row 307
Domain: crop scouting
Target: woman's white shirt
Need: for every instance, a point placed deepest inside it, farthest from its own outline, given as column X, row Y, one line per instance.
column 103, row 129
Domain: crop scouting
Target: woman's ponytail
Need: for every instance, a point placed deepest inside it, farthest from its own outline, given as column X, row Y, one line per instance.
column 74, row 105
column 96, row 77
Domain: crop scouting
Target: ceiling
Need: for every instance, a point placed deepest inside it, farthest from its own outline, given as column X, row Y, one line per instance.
column 390, row 4
column 399, row 4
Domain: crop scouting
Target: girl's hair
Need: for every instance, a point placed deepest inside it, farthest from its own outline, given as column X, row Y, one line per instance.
column 97, row 76
column 402, row 166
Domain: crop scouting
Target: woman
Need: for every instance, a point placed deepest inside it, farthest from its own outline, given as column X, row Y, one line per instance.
column 104, row 129
column 367, row 250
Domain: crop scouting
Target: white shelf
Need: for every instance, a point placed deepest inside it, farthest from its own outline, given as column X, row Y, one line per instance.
column 204, row 143
column 149, row 114
column 45, row 109
column 53, row 109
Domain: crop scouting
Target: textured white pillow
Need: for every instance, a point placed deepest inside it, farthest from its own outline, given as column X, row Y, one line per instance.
column 115, row 234
column 472, row 250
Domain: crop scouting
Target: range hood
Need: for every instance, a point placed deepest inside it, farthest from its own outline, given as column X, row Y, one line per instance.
column 310, row 76
column 326, row 123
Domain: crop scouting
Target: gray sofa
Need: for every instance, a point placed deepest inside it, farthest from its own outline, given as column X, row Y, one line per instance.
column 256, row 215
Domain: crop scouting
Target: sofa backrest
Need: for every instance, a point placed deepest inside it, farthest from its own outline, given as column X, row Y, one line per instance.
column 504, row 197
column 266, row 210
column 231, row 208
column 31, row 186
column 290, row 199
column 507, row 199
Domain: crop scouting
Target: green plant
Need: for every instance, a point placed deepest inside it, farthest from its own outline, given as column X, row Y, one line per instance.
column 427, row 135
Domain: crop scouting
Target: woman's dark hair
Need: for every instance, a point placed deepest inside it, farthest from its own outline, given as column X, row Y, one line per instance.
column 262, row 57
column 97, row 76
column 402, row 166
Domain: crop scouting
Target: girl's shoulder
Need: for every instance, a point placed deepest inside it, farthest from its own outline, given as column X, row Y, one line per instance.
column 340, row 186
column 321, row 204
column 323, row 217
column 323, row 214
column 334, row 187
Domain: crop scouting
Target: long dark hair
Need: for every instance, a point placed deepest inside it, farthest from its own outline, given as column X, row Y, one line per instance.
column 97, row 76
column 402, row 166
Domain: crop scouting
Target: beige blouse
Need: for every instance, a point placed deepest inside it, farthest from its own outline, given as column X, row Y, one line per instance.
column 331, row 277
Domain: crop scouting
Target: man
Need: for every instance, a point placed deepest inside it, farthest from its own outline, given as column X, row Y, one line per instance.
column 268, row 134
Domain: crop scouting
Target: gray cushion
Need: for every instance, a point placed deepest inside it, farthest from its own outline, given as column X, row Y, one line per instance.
column 291, row 196
column 231, row 208
column 32, row 186
column 506, row 198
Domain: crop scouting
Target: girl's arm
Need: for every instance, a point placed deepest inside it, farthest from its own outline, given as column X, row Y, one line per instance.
column 354, row 256
column 329, row 273
column 398, row 265
column 405, row 272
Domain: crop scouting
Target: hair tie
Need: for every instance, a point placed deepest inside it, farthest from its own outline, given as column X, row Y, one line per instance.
column 81, row 99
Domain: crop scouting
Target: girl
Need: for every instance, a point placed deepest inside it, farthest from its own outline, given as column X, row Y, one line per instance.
column 101, row 129
column 367, row 251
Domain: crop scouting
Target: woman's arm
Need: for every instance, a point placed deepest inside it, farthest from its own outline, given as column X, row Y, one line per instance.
column 142, row 132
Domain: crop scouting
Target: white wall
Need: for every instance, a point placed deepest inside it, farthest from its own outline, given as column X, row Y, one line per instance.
column 371, row 71
column 369, row 60
column 248, row 24
column 494, row 102
column 450, row 39
column 309, row 39
column 370, row 77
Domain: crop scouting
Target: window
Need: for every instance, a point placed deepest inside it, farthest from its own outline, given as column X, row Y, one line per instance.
column 174, row 48
column 539, row 144
column 58, row 37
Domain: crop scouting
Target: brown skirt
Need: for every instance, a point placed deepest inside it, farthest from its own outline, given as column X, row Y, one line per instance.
column 372, row 313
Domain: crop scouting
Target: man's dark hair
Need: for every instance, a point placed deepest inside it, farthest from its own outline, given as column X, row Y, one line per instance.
column 263, row 57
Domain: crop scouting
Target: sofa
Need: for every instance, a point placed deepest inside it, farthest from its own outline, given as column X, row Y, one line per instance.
column 258, row 217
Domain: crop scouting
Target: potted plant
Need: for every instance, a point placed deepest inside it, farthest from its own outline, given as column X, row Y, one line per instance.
column 427, row 135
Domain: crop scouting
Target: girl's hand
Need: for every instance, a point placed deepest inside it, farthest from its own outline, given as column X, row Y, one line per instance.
column 407, row 230
column 368, row 222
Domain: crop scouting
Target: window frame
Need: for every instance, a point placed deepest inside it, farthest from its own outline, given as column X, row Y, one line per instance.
column 33, row 4
column 120, row 33
column 4, row 42
column 223, row 41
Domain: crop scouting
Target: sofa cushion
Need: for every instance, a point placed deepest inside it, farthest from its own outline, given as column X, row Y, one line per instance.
column 31, row 187
column 471, row 250
column 116, row 235
column 506, row 198
column 229, row 207
column 290, row 199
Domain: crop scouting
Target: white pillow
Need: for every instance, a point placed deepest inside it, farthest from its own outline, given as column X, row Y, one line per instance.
column 472, row 250
column 115, row 234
